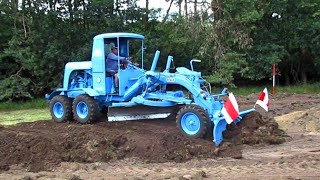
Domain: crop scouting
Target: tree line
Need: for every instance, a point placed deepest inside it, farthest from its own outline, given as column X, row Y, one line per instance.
column 237, row 40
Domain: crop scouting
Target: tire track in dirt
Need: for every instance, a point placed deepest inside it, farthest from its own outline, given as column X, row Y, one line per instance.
column 292, row 159
column 304, row 166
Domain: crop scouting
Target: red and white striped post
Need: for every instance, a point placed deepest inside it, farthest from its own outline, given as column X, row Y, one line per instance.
column 273, row 79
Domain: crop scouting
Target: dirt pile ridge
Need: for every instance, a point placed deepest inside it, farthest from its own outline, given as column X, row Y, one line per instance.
column 43, row 145
column 255, row 129
column 301, row 121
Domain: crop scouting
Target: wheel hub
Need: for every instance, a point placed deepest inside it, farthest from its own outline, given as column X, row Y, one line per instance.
column 190, row 123
column 58, row 109
column 82, row 109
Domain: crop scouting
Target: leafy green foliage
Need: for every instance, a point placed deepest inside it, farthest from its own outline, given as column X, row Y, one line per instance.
column 236, row 40
column 233, row 64
column 14, row 88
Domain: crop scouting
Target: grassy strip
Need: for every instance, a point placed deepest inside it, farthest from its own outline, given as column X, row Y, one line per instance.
column 19, row 116
column 33, row 104
column 297, row 89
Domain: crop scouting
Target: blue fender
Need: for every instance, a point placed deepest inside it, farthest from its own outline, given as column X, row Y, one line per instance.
column 72, row 93
column 53, row 94
column 91, row 92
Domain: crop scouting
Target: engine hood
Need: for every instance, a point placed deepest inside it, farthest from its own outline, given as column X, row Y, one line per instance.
column 79, row 65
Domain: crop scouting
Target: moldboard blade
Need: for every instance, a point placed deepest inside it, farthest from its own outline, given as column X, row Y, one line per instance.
column 138, row 113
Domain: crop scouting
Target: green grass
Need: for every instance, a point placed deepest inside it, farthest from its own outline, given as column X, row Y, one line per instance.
column 26, row 115
column 32, row 104
column 298, row 89
column 18, row 112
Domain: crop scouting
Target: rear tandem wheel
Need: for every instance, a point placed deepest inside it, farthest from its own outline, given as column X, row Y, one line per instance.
column 85, row 109
column 193, row 121
column 61, row 109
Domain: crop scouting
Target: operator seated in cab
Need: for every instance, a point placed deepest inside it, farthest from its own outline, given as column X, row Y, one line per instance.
column 112, row 63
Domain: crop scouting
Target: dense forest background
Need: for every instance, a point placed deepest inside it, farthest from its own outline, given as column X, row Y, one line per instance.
column 237, row 40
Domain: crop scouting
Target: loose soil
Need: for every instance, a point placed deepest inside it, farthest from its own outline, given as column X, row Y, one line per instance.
column 43, row 145
column 154, row 149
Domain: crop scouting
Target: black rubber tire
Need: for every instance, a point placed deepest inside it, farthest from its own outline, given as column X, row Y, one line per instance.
column 67, row 108
column 93, row 109
column 173, row 114
column 203, row 117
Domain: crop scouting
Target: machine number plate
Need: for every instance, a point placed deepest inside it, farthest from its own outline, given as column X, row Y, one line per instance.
column 171, row 79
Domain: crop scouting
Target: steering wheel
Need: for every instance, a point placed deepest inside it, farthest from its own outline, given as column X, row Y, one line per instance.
column 132, row 66
column 123, row 66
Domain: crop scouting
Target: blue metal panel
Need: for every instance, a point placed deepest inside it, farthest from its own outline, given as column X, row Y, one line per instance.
column 169, row 96
column 141, row 100
column 185, row 71
column 155, row 61
column 98, row 66
column 98, row 56
column 75, row 93
column 116, row 35
column 127, row 77
column 169, row 60
column 89, row 91
column 71, row 66
column 184, row 81
column 109, row 85
column 134, row 89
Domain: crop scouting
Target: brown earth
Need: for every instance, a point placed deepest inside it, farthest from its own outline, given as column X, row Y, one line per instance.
column 253, row 149
column 43, row 145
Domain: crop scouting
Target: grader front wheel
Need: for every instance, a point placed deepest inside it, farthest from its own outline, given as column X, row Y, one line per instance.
column 193, row 121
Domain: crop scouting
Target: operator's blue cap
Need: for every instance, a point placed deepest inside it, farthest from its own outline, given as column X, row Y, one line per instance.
column 113, row 46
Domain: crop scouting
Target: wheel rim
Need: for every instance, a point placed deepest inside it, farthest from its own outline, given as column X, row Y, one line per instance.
column 58, row 110
column 82, row 109
column 190, row 123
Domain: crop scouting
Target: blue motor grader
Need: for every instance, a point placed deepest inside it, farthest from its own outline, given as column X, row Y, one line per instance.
column 88, row 89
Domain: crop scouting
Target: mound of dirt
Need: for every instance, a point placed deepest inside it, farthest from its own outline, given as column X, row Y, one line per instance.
column 301, row 121
column 255, row 129
column 43, row 145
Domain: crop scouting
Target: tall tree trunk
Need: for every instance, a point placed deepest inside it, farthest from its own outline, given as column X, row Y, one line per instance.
column 219, row 29
column 217, row 7
column 146, row 17
column 305, row 62
column 179, row 5
column 186, row 8
column 147, row 6
column 195, row 8
column 286, row 75
column 85, row 9
column 70, row 10
column 14, row 8
column 168, row 10
column 23, row 18
column 303, row 76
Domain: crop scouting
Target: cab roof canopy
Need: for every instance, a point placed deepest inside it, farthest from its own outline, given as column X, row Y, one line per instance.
column 116, row 35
